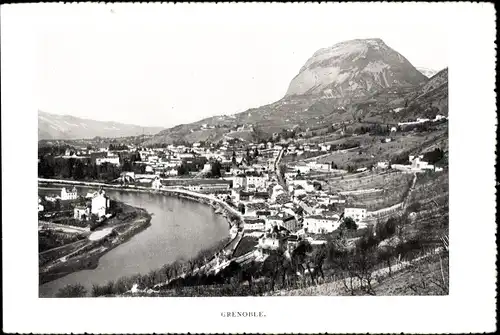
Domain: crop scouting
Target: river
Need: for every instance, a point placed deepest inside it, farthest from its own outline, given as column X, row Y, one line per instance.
column 179, row 230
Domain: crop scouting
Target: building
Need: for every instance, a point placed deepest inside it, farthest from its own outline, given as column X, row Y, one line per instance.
column 355, row 213
column 240, row 181
column 255, row 182
column 156, row 184
column 115, row 160
column 302, row 168
column 418, row 164
column 67, row 194
column 321, row 224
column 383, row 165
column 40, row 206
column 290, row 223
column 100, row 204
column 254, row 225
column 269, row 242
column 207, row 167
column 81, row 213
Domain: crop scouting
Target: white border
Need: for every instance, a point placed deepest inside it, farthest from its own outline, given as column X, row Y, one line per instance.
column 470, row 307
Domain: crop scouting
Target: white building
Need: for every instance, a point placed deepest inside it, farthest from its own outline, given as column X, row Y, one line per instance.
column 156, row 184
column 40, row 206
column 303, row 169
column 115, row 160
column 355, row 213
column 383, row 165
column 256, row 182
column 319, row 224
column 172, row 172
column 269, row 241
column 306, row 184
column 67, row 194
column 418, row 164
column 207, row 167
column 100, row 204
column 81, row 213
column 240, row 181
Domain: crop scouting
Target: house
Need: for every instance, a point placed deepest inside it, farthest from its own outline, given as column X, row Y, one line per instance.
column 67, row 194
column 290, row 175
column 149, row 169
column 100, row 204
column 393, row 129
column 40, row 206
column 383, row 165
column 262, row 214
column 290, row 223
column 254, row 224
column 207, row 167
column 269, row 242
column 156, row 184
column 114, row 160
column 273, row 221
column 321, row 224
column 418, row 164
column 255, row 182
column 355, row 213
column 81, row 213
column 240, row 181
column 302, row 168
column 172, row 172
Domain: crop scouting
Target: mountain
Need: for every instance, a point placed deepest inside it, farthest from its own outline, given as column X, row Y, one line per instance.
column 435, row 92
column 427, row 72
column 364, row 79
column 53, row 126
column 354, row 68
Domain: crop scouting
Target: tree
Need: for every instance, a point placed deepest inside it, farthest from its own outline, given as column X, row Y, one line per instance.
column 349, row 224
column 78, row 172
column 241, row 208
column 127, row 166
column 182, row 169
column 255, row 152
column 215, row 169
column 233, row 160
column 248, row 156
column 72, row 291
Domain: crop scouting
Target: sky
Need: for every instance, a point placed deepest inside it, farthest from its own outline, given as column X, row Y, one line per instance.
column 165, row 64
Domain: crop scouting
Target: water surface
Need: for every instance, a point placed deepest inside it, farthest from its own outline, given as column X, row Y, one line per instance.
column 179, row 229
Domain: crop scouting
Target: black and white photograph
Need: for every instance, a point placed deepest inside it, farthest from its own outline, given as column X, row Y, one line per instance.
column 199, row 151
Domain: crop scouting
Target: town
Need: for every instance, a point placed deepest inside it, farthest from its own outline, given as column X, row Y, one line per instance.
column 284, row 191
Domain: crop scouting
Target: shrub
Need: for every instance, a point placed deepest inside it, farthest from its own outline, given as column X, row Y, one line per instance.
column 72, row 291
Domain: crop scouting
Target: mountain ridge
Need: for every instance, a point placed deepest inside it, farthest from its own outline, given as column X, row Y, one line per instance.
column 389, row 80
column 66, row 127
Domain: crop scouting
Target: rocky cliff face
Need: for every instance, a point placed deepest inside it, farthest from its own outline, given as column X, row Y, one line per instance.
column 354, row 68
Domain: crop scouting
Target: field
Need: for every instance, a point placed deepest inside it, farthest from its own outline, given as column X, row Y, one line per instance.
column 247, row 244
column 372, row 150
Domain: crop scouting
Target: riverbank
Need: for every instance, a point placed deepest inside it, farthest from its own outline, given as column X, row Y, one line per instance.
column 233, row 216
column 85, row 254
column 93, row 250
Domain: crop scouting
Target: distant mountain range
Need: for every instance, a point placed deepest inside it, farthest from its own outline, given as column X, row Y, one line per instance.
column 66, row 127
column 363, row 76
